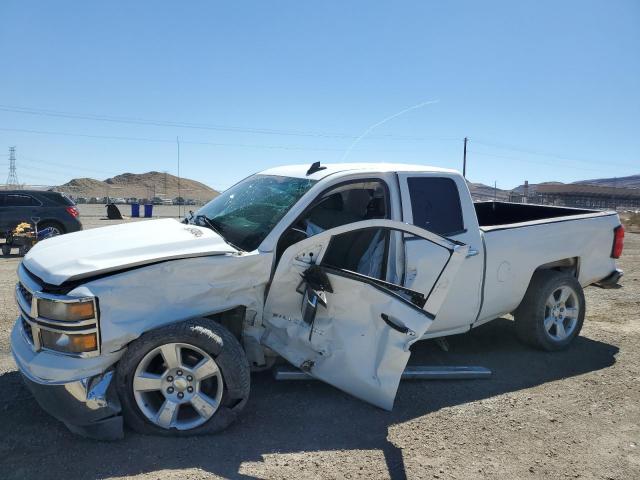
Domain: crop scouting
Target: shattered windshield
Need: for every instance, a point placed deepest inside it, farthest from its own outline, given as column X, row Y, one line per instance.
column 245, row 214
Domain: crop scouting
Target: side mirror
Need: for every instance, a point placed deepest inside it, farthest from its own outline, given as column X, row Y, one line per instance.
column 309, row 305
column 316, row 285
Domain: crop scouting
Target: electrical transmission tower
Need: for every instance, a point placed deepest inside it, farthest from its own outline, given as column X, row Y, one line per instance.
column 12, row 179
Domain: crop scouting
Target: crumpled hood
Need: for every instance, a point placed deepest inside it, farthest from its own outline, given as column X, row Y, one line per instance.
column 108, row 249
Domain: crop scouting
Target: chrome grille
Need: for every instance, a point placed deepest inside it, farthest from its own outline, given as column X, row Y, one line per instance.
column 26, row 327
column 26, row 294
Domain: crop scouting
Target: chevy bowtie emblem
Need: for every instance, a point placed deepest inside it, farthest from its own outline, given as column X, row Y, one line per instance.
column 194, row 231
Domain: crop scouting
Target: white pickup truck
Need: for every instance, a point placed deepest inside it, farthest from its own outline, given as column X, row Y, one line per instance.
column 338, row 268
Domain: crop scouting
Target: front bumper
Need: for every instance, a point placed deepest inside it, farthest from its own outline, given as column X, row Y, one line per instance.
column 88, row 406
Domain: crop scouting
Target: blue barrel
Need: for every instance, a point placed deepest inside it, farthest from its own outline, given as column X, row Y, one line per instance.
column 135, row 209
column 148, row 210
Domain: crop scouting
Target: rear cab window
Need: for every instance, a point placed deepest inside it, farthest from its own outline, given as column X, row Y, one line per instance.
column 435, row 204
column 57, row 198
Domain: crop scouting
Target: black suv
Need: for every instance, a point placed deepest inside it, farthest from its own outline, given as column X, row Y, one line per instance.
column 54, row 210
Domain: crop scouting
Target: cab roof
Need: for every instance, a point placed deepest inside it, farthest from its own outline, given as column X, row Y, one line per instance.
column 300, row 171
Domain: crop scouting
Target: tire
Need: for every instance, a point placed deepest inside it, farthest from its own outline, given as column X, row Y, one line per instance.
column 192, row 339
column 543, row 320
column 55, row 225
column 6, row 250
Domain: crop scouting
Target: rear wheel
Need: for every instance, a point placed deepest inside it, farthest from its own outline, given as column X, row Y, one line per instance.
column 552, row 312
column 56, row 228
column 184, row 379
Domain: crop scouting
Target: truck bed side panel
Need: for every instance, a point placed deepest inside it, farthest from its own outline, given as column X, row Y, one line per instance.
column 515, row 252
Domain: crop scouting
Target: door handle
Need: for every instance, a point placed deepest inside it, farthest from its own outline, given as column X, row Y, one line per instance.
column 396, row 327
column 472, row 252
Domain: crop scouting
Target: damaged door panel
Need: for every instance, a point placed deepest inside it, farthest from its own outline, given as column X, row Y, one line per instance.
column 348, row 329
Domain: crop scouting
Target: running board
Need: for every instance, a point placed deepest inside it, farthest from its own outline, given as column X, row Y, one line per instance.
column 412, row 372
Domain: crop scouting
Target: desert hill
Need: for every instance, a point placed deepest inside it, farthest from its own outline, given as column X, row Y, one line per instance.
column 139, row 185
column 480, row 191
column 632, row 181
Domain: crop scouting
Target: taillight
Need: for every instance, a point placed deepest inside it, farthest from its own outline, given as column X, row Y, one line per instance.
column 73, row 211
column 618, row 242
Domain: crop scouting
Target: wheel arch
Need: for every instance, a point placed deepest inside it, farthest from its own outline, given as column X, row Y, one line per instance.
column 570, row 265
column 567, row 265
column 234, row 320
column 52, row 222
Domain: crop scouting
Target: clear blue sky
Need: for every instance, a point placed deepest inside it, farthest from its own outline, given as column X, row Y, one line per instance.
column 545, row 90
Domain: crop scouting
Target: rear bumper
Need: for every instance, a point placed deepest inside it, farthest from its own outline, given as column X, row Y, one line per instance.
column 73, row 225
column 611, row 281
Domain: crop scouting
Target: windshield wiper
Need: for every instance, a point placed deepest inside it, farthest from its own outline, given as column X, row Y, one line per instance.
column 209, row 223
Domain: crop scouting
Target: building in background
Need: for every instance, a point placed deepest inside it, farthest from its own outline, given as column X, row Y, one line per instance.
column 578, row 195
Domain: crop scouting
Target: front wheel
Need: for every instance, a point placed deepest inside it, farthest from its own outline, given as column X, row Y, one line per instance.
column 184, row 379
column 552, row 311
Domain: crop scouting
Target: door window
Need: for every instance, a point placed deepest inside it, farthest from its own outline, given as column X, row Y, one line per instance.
column 435, row 204
column 361, row 251
column 341, row 205
column 345, row 204
column 16, row 200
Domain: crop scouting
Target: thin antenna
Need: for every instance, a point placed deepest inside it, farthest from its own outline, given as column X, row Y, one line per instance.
column 375, row 125
column 179, row 194
column 12, row 179
column 464, row 160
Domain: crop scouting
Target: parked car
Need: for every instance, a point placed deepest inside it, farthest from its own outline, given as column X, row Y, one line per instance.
column 338, row 269
column 54, row 210
column 160, row 201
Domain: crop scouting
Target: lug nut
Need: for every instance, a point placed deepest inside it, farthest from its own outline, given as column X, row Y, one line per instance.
column 180, row 394
column 170, row 390
column 190, row 378
column 190, row 389
column 169, row 378
column 179, row 373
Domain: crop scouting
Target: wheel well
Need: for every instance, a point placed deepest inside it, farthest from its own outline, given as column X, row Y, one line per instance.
column 231, row 319
column 54, row 223
column 568, row 265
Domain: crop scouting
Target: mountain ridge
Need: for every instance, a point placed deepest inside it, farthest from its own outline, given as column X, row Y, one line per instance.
column 139, row 185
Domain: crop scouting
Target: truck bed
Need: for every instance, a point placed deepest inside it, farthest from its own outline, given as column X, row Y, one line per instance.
column 494, row 214
column 520, row 238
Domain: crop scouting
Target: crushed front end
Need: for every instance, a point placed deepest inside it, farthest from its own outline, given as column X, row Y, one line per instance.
column 56, row 345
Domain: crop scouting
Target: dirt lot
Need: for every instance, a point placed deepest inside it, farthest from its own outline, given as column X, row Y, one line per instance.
column 573, row 414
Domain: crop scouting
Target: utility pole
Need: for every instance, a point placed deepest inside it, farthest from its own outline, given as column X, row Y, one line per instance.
column 12, row 179
column 179, row 193
column 464, row 161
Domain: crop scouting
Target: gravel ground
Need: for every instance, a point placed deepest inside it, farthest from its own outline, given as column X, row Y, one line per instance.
column 572, row 414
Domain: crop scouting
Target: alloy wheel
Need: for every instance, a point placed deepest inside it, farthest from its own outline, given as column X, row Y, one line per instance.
column 178, row 385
